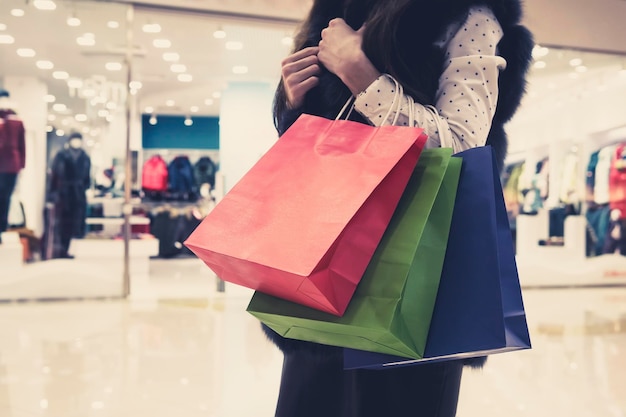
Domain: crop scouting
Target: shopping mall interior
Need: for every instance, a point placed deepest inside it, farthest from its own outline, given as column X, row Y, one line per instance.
column 104, row 311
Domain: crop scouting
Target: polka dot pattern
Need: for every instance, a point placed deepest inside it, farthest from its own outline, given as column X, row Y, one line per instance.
column 468, row 87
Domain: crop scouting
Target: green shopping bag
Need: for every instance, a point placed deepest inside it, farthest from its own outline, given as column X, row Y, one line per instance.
column 391, row 309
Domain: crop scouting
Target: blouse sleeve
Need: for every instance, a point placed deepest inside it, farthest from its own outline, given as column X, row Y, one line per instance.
column 467, row 94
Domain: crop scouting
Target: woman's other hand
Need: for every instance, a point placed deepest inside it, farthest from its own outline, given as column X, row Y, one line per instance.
column 341, row 53
column 299, row 72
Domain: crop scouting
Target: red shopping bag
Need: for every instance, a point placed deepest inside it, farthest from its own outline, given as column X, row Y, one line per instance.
column 304, row 222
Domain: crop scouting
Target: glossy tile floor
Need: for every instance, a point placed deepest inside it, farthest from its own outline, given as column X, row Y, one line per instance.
column 193, row 351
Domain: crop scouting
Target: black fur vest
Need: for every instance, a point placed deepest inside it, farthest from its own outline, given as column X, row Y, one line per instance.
column 420, row 27
column 419, row 62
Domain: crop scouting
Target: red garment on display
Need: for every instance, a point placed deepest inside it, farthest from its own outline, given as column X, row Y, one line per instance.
column 12, row 143
column 617, row 181
column 154, row 176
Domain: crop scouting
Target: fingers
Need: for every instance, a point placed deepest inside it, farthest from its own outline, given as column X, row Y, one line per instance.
column 303, row 53
column 299, row 72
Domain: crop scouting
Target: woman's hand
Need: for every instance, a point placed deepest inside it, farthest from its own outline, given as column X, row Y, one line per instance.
column 299, row 72
column 341, row 53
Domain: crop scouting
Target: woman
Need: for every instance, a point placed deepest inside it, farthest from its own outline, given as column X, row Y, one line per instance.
column 462, row 66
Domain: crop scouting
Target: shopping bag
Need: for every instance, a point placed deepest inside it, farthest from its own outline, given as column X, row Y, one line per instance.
column 392, row 306
column 304, row 222
column 479, row 308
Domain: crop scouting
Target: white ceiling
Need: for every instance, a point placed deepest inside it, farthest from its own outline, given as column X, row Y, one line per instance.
column 258, row 25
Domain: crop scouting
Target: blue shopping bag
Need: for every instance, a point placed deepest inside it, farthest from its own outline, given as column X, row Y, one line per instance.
column 479, row 308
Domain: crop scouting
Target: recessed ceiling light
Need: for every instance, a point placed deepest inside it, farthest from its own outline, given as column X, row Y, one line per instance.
column 45, row 65
column 233, row 45
column 60, row 132
column 575, row 62
column 17, row 12
column 188, row 121
column 103, row 113
column 49, row 98
column 287, row 41
column 581, row 68
column 194, row 109
column 112, row 24
column 219, row 34
column 26, row 52
column 217, row 94
column 148, row 109
column 208, row 101
column 135, row 85
column 185, row 78
column 540, row 64
column 240, row 69
column 153, row 120
column 171, row 57
column 3, row 26
column 113, row 66
column 80, row 117
column 178, row 68
column 49, row 129
column 75, row 83
column 7, row 39
column 73, row 21
column 170, row 103
column 59, row 107
column 151, row 28
column 87, row 39
column 60, row 75
column 45, row 4
column 540, row 51
column 111, row 105
column 161, row 43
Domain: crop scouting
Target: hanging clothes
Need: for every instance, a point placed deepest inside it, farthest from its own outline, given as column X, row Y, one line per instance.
column 617, row 181
column 12, row 159
column 154, row 176
column 69, row 179
column 182, row 183
column 204, row 171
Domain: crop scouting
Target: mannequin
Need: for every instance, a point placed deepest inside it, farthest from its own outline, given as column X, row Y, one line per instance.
column 12, row 154
column 69, row 179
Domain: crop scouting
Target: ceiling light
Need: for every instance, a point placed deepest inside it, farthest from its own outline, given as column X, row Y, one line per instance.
column 219, row 34
column 171, row 57
column 208, row 101
column 540, row 51
column 287, row 41
column 49, row 98
column 217, row 94
column 73, row 21
column 49, row 129
column 148, row 109
column 26, row 52
column 87, row 39
column 233, row 45
column 178, row 68
column 188, row 121
column 59, row 107
column 575, row 62
column 194, row 109
column 17, row 12
column 80, row 117
column 112, row 24
column 3, row 26
column 161, row 43
column 240, row 69
column 185, row 78
column 60, row 75
column 103, row 113
column 75, row 83
column 60, row 132
column 45, row 4
column 113, row 66
column 135, row 85
column 153, row 120
column 151, row 28
column 44, row 65
column 88, row 92
column 7, row 39
column 540, row 64
column 170, row 103
column 111, row 105
column 581, row 68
